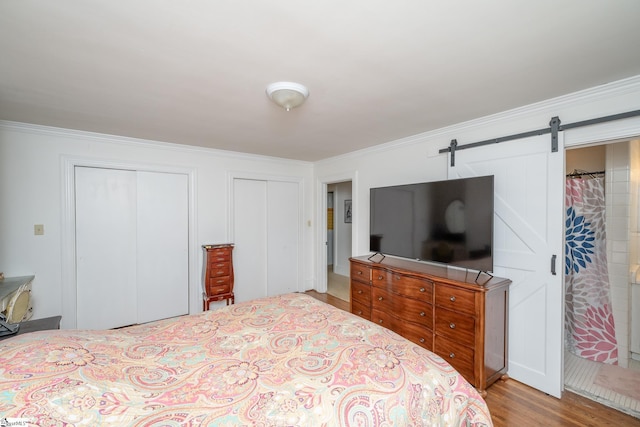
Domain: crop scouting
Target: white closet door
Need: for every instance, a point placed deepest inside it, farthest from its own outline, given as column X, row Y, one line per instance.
column 105, row 247
column 250, row 238
column 283, row 218
column 266, row 231
column 163, row 245
column 529, row 216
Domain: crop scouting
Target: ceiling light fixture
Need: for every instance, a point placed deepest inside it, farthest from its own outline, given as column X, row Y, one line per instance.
column 288, row 95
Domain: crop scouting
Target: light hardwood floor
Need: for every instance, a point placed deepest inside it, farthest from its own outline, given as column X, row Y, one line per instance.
column 514, row 404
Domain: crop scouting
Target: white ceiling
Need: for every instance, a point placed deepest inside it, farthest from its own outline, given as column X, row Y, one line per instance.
column 195, row 72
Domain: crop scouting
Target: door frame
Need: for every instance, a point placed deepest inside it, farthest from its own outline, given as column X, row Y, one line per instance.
column 322, row 183
column 68, row 230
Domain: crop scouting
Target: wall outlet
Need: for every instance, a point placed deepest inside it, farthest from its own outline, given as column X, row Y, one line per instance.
column 38, row 229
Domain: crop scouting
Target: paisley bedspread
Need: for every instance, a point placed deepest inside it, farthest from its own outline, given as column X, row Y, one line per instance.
column 280, row 361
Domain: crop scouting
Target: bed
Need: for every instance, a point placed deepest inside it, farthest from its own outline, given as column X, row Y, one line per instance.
column 289, row 360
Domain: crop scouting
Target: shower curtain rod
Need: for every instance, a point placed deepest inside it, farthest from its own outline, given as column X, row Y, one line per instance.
column 576, row 173
column 553, row 129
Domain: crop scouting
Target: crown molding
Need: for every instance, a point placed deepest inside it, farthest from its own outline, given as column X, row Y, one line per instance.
column 85, row 136
column 575, row 99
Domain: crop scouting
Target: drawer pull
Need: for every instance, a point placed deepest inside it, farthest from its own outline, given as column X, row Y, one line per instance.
column 422, row 289
column 359, row 312
column 452, row 325
column 380, row 321
column 452, row 355
column 359, row 291
column 452, row 299
column 359, row 273
column 379, row 277
column 379, row 298
column 422, row 314
column 422, row 340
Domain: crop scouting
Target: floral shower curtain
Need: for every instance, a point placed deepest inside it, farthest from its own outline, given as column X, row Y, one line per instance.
column 589, row 326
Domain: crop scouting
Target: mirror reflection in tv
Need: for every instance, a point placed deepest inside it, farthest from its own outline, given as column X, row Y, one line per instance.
column 449, row 222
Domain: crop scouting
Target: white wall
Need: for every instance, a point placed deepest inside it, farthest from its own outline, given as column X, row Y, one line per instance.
column 31, row 192
column 617, row 191
column 417, row 158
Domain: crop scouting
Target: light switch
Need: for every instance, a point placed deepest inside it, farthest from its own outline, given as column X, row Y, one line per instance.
column 38, row 229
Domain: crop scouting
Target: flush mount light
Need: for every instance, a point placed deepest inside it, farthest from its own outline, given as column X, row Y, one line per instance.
column 288, row 95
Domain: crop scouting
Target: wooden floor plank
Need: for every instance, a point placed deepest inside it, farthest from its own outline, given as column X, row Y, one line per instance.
column 515, row 404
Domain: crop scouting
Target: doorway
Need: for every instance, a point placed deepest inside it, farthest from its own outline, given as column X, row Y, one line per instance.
column 613, row 384
column 339, row 240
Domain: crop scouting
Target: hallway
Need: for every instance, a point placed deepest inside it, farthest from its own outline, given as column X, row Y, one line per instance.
column 337, row 285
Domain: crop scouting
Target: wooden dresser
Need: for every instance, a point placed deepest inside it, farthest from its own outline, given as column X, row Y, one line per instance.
column 218, row 274
column 442, row 309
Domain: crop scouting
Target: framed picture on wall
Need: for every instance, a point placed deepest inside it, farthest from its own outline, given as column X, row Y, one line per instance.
column 347, row 211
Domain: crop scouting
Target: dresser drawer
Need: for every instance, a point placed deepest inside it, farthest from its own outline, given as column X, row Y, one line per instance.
column 418, row 335
column 219, row 281
column 217, row 290
column 361, row 293
column 219, row 269
column 219, row 254
column 455, row 326
column 458, row 356
column 404, row 308
column 385, row 319
column 414, row 333
column 408, row 286
column 360, row 273
column 457, row 299
column 361, row 310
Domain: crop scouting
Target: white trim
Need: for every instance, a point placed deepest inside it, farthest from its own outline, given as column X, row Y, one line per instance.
column 68, row 247
column 84, row 136
column 623, row 129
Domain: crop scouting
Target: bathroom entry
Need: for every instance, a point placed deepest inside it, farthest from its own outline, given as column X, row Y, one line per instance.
column 619, row 163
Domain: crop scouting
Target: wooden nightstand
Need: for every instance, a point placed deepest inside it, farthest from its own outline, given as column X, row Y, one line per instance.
column 36, row 325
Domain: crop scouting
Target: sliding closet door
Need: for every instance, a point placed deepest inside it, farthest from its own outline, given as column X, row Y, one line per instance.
column 250, row 238
column 266, row 234
column 162, row 245
column 131, row 247
column 282, row 218
column 105, row 247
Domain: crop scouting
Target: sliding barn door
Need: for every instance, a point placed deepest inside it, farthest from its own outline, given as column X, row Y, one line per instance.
column 266, row 236
column 527, row 236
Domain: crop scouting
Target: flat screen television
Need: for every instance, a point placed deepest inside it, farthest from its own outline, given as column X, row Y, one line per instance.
column 448, row 222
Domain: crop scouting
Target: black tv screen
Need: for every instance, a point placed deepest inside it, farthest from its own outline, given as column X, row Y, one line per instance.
column 449, row 222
